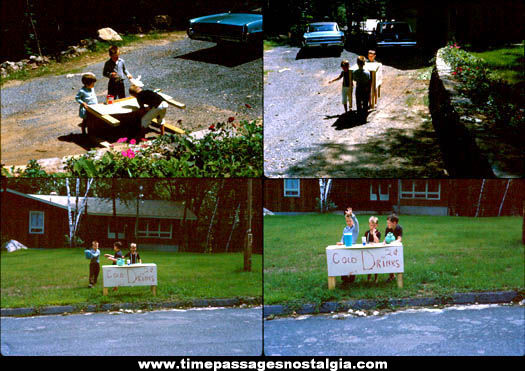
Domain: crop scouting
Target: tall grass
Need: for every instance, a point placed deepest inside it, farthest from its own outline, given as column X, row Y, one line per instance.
column 39, row 277
column 442, row 255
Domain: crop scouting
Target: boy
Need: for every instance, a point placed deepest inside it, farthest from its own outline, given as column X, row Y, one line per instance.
column 117, row 246
column 86, row 96
column 362, row 90
column 352, row 226
column 371, row 56
column 116, row 71
column 156, row 107
column 133, row 255
column 94, row 266
column 393, row 227
column 346, row 91
column 372, row 236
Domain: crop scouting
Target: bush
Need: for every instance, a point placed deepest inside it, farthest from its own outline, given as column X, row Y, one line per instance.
column 226, row 151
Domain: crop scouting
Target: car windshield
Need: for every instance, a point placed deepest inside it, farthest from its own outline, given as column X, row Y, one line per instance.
column 396, row 28
column 322, row 27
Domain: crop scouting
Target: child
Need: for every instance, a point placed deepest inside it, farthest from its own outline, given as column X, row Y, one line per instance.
column 362, row 90
column 133, row 255
column 116, row 71
column 371, row 56
column 352, row 226
column 94, row 266
column 346, row 91
column 117, row 246
column 372, row 236
column 156, row 106
column 86, row 96
column 393, row 227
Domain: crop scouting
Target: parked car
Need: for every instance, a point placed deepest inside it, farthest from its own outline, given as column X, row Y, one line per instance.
column 227, row 27
column 395, row 34
column 323, row 34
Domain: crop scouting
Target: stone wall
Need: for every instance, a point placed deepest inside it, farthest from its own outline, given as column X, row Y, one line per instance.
column 461, row 150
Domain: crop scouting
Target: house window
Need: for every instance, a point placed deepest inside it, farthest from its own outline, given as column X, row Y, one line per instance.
column 420, row 190
column 378, row 193
column 111, row 232
column 36, row 222
column 154, row 228
column 292, row 188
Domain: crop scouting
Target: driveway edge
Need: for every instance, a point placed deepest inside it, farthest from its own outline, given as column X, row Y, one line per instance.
column 92, row 308
column 493, row 297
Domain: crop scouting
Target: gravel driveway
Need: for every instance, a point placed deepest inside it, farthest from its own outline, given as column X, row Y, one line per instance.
column 307, row 134
column 40, row 116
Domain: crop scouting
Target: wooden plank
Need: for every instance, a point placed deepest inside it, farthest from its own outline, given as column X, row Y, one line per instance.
column 170, row 100
column 169, row 127
column 106, row 118
column 331, row 283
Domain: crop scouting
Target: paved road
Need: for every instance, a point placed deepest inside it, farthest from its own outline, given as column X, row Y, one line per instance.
column 195, row 332
column 307, row 134
column 482, row 330
column 40, row 116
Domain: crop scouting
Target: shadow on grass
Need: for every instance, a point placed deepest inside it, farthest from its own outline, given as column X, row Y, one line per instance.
column 396, row 153
column 225, row 55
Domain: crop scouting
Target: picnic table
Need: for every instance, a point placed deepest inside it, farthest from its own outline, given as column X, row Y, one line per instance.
column 103, row 117
column 364, row 259
column 130, row 275
column 376, row 73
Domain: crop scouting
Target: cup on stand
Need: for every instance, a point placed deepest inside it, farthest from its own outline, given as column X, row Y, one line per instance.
column 347, row 239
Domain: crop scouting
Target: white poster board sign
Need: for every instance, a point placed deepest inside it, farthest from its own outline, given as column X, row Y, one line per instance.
column 359, row 259
column 130, row 275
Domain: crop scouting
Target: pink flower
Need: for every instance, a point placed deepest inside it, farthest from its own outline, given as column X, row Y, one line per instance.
column 122, row 140
column 129, row 153
column 143, row 140
column 212, row 127
column 132, row 141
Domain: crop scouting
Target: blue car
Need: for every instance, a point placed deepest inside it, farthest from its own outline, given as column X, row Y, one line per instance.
column 323, row 34
column 227, row 27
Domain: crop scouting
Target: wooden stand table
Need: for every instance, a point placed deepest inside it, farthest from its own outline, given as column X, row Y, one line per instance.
column 369, row 259
column 130, row 275
column 102, row 116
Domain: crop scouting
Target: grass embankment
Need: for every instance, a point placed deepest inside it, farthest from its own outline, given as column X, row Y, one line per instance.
column 98, row 54
column 60, row 276
column 506, row 63
column 442, row 255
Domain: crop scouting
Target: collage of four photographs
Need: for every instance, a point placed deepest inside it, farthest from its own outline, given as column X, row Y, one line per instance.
column 251, row 178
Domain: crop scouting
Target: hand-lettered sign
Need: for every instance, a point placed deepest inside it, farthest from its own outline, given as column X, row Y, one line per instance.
column 358, row 259
column 130, row 275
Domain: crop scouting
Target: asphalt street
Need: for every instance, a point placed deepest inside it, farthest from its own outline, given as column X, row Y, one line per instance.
column 176, row 332
column 475, row 330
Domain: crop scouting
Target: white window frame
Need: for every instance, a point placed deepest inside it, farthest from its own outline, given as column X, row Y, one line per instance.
column 36, row 229
column 154, row 233
column 412, row 194
column 382, row 196
column 111, row 235
column 292, row 191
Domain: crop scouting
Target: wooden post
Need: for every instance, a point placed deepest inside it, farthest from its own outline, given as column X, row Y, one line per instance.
column 105, row 291
column 331, row 282
column 249, row 237
column 154, row 290
column 400, row 280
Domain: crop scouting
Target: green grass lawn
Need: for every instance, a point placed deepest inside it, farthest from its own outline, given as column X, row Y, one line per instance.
column 442, row 255
column 506, row 63
column 40, row 277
